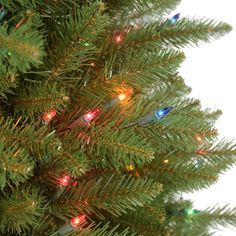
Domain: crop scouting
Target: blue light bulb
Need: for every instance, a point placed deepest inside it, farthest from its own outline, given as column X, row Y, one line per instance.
column 163, row 112
column 174, row 19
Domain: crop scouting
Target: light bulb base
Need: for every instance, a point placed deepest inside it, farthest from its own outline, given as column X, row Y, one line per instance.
column 66, row 228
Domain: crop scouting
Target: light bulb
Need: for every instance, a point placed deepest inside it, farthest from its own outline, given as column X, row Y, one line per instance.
column 163, row 112
column 130, row 167
column 47, row 116
column 64, row 181
column 125, row 95
column 89, row 116
column 175, row 18
column 77, row 221
column 118, row 38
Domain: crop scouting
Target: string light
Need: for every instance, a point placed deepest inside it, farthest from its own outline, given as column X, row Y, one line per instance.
column 93, row 64
column 91, row 115
column 119, row 98
column 199, row 138
column 85, row 119
column 130, row 167
column 70, row 226
column 150, row 118
column 163, row 112
column 191, row 211
column 125, row 95
column 119, row 38
column 64, row 181
column 47, row 116
column 175, row 18
column 166, row 161
column 184, row 212
column 77, row 221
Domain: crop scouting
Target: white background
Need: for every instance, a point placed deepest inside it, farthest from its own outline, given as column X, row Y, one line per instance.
column 210, row 71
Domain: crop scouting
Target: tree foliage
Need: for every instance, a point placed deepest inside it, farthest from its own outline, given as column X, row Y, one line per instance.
column 114, row 159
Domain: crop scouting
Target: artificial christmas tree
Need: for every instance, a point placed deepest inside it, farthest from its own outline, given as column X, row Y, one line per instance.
column 97, row 136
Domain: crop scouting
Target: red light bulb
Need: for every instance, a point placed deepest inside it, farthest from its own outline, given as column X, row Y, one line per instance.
column 64, row 181
column 89, row 116
column 77, row 221
column 118, row 38
column 47, row 116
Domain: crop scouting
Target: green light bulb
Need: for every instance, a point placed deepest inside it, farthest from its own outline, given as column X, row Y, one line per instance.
column 190, row 212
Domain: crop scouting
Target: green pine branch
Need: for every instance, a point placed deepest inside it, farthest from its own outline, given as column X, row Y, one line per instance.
column 224, row 216
column 82, row 29
column 118, row 149
column 34, row 99
column 7, row 81
column 152, row 222
column 177, row 177
column 129, row 10
column 185, row 32
column 57, row 9
column 104, row 230
column 126, row 176
column 220, row 156
column 16, row 165
column 36, row 140
column 20, row 211
column 191, row 32
column 212, row 116
column 149, row 66
column 70, row 159
column 23, row 44
column 113, row 195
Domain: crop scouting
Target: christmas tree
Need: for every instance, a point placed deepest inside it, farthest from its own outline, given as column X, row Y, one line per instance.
column 97, row 134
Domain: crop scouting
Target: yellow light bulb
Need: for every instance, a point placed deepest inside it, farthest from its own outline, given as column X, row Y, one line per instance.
column 130, row 168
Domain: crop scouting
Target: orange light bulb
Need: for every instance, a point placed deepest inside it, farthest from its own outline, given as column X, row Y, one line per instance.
column 125, row 95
